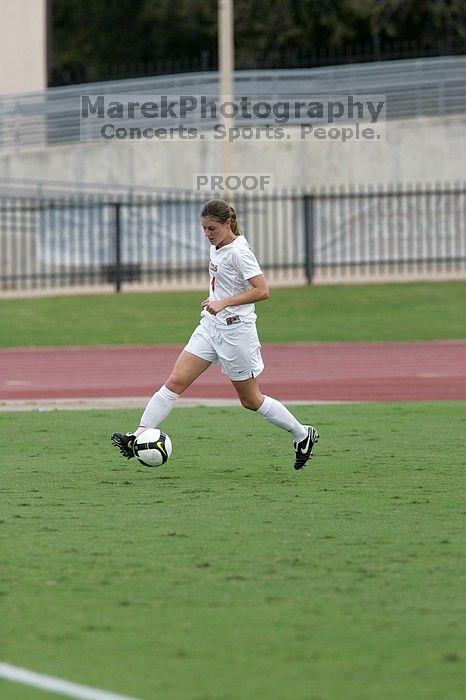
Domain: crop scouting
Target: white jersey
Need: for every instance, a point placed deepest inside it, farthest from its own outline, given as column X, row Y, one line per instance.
column 231, row 266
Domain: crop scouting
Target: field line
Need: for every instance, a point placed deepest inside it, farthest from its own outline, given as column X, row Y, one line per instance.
column 130, row 402
column 56, row 685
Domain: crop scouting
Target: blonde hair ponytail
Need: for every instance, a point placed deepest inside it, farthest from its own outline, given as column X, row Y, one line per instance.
column 221, row 211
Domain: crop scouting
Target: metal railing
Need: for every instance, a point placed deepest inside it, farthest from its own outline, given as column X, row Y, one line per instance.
column 155, row 239
column 375, row 50
column 413, row 88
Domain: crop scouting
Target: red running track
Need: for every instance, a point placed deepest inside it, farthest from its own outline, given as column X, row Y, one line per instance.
column 310, row 372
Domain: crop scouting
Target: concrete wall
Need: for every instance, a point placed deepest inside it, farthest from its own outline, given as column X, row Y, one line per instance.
column 416, row 151
column 23, row 46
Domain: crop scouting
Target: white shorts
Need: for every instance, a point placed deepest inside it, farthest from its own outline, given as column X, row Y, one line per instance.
column 235, row 348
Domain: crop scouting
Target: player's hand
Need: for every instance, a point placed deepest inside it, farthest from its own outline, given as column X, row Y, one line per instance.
column 213, row 307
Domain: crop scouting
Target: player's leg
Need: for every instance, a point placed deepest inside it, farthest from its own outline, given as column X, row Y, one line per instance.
column 187, row 369
column 305, row 436
column 240, row 357
column 196, row 357
column 272, row 410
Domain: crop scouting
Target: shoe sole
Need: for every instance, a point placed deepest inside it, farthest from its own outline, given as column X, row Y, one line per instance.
column 120, row 444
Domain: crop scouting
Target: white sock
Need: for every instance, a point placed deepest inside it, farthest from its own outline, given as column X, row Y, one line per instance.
column 158, row 408
column 275, row 412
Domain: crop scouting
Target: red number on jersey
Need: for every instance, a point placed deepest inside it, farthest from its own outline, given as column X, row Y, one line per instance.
column 212, row 284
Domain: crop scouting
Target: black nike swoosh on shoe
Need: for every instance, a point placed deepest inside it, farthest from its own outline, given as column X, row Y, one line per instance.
column 303, row 450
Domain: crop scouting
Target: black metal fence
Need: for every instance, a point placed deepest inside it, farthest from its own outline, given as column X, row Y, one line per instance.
column 89, row 240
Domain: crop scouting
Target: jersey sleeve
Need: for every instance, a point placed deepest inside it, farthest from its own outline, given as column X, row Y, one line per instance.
column 246, row 263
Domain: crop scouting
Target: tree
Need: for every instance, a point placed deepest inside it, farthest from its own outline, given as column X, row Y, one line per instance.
column 98, row 39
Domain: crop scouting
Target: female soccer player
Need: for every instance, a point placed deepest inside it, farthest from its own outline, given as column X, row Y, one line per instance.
column 226, row 335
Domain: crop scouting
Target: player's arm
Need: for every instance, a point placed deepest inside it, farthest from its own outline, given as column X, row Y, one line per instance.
column 258, row 292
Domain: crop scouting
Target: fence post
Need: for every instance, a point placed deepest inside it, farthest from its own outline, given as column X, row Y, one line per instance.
column 118, row 271
column 308, row 205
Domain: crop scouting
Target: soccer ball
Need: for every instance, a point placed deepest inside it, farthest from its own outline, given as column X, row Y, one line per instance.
column 152, row 448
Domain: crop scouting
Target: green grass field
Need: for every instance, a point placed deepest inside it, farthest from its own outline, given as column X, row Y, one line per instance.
column 417, row 311
column 225, row 575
